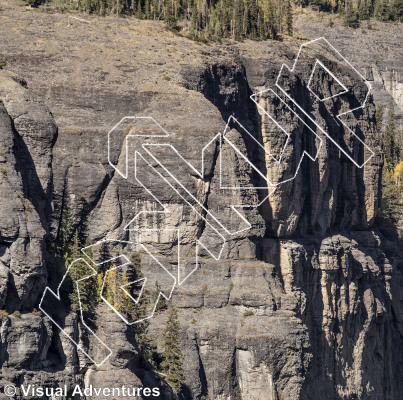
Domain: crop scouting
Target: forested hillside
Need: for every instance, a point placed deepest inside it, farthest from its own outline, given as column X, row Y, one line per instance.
column 236, row 19
column 198, row 19
column 354, row 11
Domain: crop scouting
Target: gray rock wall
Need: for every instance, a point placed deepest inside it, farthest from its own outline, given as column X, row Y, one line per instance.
column 305, row 305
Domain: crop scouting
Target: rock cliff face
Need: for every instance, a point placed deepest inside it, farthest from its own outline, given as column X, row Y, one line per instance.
column 305, row 305
column 382, row 65
column 28, row 135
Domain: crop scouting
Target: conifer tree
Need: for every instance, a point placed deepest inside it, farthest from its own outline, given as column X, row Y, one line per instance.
column 389, row 147
column 162, row 304
column 87, row 288
column 397, row 10
column 65, row 233
column 351, row 17
column 139, row 311
column 88, row 8
column 392, row 172
column 237, row 19
column 172, row 354
column 170, row 16
column 104, row 256
column 382, row 11
column 251, row 17
column 288, row 18
column 214, row 21
column 391, row 198
column 379, row 118
column 270, row 26
column 364, row 10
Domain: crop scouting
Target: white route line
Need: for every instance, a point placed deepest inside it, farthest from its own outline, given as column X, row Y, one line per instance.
column 345, row 90
column 125, row 320
column 127, row 262
column 58, row 296
column 271, row 184
column 368, row 84
column 222, row 138
column 165, row 211
column 124, row 175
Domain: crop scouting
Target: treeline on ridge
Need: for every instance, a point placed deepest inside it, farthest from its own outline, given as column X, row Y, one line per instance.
column 198, row 19
column 355, row 11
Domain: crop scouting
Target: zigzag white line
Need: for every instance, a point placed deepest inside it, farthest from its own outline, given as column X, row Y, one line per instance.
column 271, row 186
column 198, row 242
column 58, row 296
column 125, row 320
column 292, row 69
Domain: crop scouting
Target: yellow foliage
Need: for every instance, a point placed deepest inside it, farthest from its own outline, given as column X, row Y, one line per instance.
column 100, row 281
column 398, row 175
column 110, row 285
column 399, row 170
column 114, row 294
